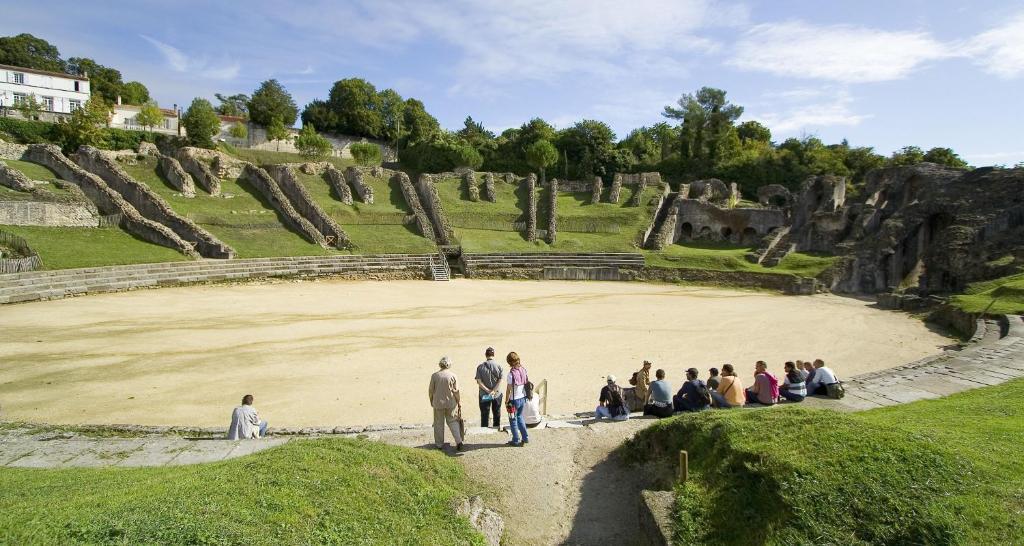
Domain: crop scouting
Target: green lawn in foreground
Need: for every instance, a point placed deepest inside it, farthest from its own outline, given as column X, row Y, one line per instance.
column 305, row 492
column 1005, row 295
column 70, row 247
column 726, row 257
column 945, row 471
column 239, row 216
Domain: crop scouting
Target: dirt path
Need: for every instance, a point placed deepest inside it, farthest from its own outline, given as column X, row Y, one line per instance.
column 565, row 487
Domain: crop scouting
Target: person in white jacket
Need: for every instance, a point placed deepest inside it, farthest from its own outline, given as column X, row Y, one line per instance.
column 245, row 422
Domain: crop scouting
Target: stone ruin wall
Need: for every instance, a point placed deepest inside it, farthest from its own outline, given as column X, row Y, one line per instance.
column 107, row 200
column 266, row 185
column 613, row 194
column 354, row 176
column 489, row 193
column 531, row 211
column 338, row 184
column 15, row 179
column 697, row 220
column 10, row 150
column 200, row 171
column 150, row 204
column 596, row 187
column 48, row 214
column 423, row 224
column 333, row 234
column 470, row 182
column 552, row 212
column 431, row 202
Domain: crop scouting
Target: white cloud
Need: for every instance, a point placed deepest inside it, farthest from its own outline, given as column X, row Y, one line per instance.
column 804, row 110
column 180, row 62
column 839, row 53
column 1000, row 51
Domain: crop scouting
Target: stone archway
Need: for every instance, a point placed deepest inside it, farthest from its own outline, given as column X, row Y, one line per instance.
column 686, row 231
column 749, row 236
column 726, row 233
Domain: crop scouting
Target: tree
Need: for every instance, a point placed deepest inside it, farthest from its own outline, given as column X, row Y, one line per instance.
column 907, row 155
column 706, row 119
column 311, row 145
column 945, row 156
column 319, row 114
column 541, row 155
column 103, row 81
column 418, row 124
column 29, row 107
column 365, row 153
column 150, row 116
column 234, row 105
column 30, row 52
column 587, row 146
column 134, row 93
column 752, row 130
column 270, row 101
column 356, row 105
column 201, row 123
column 84, row 126
column 392, row 109
column 239, row 130
column 277, row 131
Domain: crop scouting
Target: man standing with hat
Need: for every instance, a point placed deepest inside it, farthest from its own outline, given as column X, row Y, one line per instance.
column 444, row 398
column 488, row 379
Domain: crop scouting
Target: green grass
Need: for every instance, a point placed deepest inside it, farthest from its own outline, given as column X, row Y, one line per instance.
column 1005, row 295
column 69, row 247
column 305, row 492
column 240, row 216
column 34, row 171
column 727, row 257
column 945, row 471
column 508, row 208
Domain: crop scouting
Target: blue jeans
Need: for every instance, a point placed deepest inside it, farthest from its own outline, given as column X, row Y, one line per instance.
column 720, row 400
column 517, row 424
column 263, row 428
column 791, row 396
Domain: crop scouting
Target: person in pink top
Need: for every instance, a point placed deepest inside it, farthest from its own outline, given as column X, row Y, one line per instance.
column 766, row 386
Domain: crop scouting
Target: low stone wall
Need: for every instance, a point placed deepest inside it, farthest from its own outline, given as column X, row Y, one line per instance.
column 149, row 203
column 469, row 179
column 200, row 171
column 583, row 274
column 10, row 150
column 552, row 212
column 432, row 205
column 645, row 238
column 422, row 219
column 489, row 193
column 175, row 174
column 638, row 194
column 308, row 207
column 42, row 213
column 743, row 279
column 108, row 200
column 337, row 181
column 595, row 190
column 262, row 181
column 15, row 179
column 613, row 195
column 667, row 228
column 354, row 176
column 531, row 211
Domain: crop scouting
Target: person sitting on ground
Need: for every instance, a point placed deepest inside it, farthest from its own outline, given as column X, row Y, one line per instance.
column 245, row 422
column 515, row 394
column 488, row 379
column 793, row 387
column 821, row 380
column 730, row 389
column 766, row 386
column 447, row 404
column 642, row 383
column 612, row 403
column 694, row 394
column 809, row 370
column 659, row 403
column 713, row 379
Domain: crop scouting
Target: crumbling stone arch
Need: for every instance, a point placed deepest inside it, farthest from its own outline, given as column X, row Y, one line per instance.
column 749, row 236
column 686, row 231
column 726, row 233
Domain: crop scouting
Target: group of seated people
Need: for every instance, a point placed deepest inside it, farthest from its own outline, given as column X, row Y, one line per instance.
column 721, row 390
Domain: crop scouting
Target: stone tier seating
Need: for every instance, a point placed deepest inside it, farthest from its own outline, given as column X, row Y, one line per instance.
column 540, row 260
column 45, row 285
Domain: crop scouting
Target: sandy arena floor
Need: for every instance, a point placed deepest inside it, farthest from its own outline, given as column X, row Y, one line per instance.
column 340, row 353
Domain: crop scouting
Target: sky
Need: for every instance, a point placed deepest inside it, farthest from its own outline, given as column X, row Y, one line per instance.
column 885, row 74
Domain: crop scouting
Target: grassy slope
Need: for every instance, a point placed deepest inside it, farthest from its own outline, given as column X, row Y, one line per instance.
column 68, row 247
column 34, row 171
column 946, row 471
column 244, row 221
column 270, row 157
column 305, row 492
column 1008, row 293
column 724, row 257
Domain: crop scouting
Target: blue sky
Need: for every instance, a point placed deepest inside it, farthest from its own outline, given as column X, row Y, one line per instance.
column 882, row 74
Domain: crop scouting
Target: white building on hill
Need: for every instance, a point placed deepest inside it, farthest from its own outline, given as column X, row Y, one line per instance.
column 57, row 92
column 124, row 117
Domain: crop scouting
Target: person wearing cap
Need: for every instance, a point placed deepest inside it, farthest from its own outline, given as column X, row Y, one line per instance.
column 444, row 398
column 642, row 386
column 660, row 404
column 612, row 402
column 693, row 395
column 488, row 379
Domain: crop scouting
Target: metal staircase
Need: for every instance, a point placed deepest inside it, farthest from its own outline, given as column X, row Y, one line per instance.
column 439, row 269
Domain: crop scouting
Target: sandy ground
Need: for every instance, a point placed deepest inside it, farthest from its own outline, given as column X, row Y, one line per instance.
column 342, row 352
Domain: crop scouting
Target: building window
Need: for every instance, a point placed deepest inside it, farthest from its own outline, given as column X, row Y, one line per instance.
column 48, row 104
column 74, row 104
column 20, row 98
column 77, row 83
column 19, row 78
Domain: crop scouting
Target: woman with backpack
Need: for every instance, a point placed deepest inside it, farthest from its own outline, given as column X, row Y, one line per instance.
column 518, row 390
column 766, row 386
column 612, row 402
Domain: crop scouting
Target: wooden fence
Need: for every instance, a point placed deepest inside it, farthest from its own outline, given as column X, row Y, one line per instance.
column 28, row 261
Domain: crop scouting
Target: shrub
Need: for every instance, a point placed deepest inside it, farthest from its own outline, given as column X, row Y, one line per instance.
column 365, row 153
column 239, row 130
column 440, row 156
column 311, row 145
column 201, row 123
column 28, row 132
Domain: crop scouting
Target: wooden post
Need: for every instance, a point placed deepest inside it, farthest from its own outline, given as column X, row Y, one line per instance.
column 684, row 466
